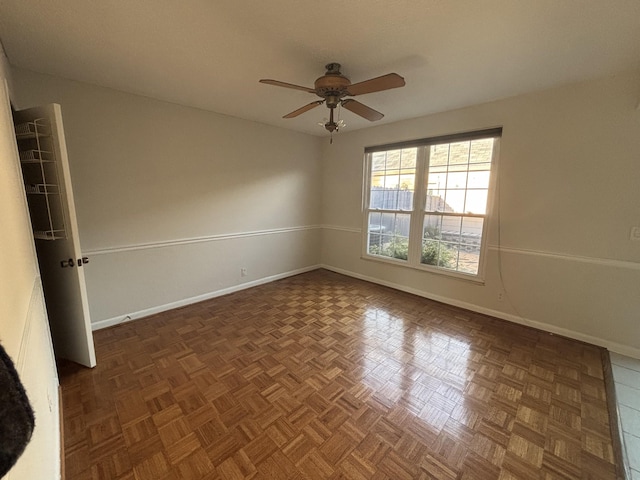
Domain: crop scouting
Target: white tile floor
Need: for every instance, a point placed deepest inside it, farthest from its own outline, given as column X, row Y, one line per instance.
column 626, row 376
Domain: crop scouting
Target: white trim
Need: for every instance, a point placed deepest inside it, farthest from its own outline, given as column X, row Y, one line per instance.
column 342, row 229
column 609, row 345
column 230, row 236
column 607, row 262
column 109, row 322
column 206, row 238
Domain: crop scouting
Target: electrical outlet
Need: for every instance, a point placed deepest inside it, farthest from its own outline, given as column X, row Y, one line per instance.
column 500, row 296
column 635, row 234
column 243, row 272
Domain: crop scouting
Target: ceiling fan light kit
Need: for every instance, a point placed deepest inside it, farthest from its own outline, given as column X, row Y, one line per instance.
column 333, row 87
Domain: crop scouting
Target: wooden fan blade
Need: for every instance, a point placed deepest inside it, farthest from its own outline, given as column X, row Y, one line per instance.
column 385, row 82
column 306, row 108
column 278, row 83
column 362, row 110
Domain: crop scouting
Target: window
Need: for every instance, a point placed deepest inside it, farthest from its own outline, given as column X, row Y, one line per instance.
column 426, row 202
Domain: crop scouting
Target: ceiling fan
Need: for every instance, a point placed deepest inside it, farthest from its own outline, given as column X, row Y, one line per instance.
column 333, row 87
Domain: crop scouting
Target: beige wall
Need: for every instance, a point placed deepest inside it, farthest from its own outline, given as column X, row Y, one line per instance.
column 569, row 170
column 24, row 332
column 172, row 201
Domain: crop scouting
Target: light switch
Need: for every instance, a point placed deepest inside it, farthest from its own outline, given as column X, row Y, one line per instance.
column 635, row 234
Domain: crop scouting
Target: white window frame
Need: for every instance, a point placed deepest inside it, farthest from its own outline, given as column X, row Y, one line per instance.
column 417, row 214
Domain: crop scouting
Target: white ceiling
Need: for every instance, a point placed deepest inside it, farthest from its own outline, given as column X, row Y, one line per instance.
column 210, row 54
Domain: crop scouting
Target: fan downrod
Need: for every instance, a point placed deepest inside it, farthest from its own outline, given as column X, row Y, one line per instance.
column 331, row 126
column 333, row 68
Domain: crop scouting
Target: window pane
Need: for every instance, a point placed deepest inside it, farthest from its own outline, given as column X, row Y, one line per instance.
column 478, row 179
column 393, row 160
column 459, row 153
column 405, row 196
column 435, row 201
column 472, row 229
column 451, row 229
column 394, row 223
column 377, row 180
column 407, row 178
column 437, row 179
column 470, row 240
column 457, row 180
column 437, row 182
column 389, row 235
column 378, row 161
column 448, row 256
column 460, row 175
column 432, row 226
column 439, row 254
column 439, row 155
column 430, row 251
column 393, row 179
column 388, row 222
column 481, row 150
column 451, row 224
column 476, row 201
column 452, row 243
column 376, row 199
column 469, row 246
column 454, row 201
column 408, row 160
column 468, row 262
column 434, row 249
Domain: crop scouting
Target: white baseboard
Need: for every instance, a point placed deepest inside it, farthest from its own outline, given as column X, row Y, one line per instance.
column 109, row 322
column 609, row 345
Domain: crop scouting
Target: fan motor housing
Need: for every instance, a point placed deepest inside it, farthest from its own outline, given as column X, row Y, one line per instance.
column 331, row 85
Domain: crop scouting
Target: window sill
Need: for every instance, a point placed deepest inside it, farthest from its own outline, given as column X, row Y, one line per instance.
column 475, row 279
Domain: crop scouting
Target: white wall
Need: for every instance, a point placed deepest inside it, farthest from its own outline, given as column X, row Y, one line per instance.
column 24, row 330
column 172, row 201
column 569, row 172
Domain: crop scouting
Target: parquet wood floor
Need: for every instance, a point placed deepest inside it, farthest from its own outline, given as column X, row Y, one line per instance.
column 320, row 376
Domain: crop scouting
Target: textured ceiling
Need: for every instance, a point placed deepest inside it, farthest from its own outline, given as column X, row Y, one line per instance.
column 210, row 54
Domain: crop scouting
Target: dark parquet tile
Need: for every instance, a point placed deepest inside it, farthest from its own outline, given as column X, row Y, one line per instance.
column 323, row 376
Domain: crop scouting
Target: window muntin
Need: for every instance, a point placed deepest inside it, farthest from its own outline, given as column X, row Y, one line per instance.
column 439, row 222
